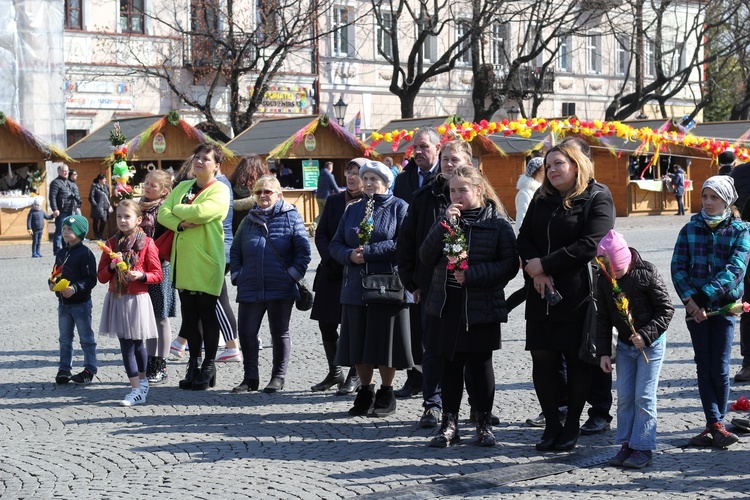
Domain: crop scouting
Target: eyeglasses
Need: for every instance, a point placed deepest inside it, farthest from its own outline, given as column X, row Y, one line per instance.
column 267, row 192
column 352, row 174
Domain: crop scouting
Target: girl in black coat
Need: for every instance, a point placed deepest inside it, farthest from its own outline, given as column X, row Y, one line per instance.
column 471, row 301
column 566, row 219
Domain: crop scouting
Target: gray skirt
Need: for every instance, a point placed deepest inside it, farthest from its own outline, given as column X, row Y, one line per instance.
column 128, row 316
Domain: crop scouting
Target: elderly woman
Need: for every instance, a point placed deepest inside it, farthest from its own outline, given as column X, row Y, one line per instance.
column 372, row 334
column 327, row 306
column 270, row 253
column 564, row 223
column 194, row 211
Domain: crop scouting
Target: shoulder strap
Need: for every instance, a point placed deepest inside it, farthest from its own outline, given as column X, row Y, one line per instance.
column 283, row 264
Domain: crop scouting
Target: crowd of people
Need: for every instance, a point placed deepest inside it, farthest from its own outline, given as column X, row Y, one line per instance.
column 413, row 271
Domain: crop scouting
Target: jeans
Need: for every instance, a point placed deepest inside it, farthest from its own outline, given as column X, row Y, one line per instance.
column 680, row 204
column 70, row 316
column 712, row 343
column 57, row 240
column 250, row 318
column 36, row 242
column 432, row 363
column 134, row 356
column 637, row 381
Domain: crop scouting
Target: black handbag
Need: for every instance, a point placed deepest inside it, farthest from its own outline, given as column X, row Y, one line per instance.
column 587, row 348
column 382, row 288
column 304, row 301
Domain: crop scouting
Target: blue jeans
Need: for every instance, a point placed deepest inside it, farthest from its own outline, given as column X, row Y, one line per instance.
column 636, row 394
column 248, row 325
column 70, row 316
column 36, row 242
column 712, row 343
column 432, row 363
column 57, row 240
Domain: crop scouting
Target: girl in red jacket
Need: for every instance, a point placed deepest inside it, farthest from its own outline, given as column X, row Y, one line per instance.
column 130, row 262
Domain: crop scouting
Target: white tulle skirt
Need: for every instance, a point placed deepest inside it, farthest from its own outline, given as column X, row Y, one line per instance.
column 128, row 316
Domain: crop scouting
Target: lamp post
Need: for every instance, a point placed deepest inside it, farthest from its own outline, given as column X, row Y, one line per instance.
column 339, row 109
column 513, row 113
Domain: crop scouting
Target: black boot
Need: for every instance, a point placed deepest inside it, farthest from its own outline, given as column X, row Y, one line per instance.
column 335, row 374
column 448, row 433
column 385, row 402
column 193, row 370
column 151, row 368
column 207, row 377
column 485, row 437
column 364, row 401
column 350, row 385
column 160, row 372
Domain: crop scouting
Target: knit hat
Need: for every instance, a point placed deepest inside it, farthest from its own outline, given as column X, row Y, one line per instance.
column 377, row 168
column 39, row 200
column 534, row 165
column 727, row 158
column 723, row 185
column 78, row 224
column 614, row 246
column 359, row 161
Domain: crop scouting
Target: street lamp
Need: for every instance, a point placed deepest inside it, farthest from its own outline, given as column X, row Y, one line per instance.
column 513, row 113
column 339, row 109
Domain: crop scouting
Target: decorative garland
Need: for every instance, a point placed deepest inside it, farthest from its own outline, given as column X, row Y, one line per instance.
column 121, row 172
column 282, row 149
column 19, row 132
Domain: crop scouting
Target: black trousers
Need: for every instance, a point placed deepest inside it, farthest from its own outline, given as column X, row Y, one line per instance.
column 199, row 308
column 479, row 364
column 548, row 380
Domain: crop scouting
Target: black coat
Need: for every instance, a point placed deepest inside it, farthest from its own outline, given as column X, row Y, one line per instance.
column 741, row 176
column 328, row 276
column 407, row 182
column 493, row 262
column 428, row 205
column 99, row 199
column 61, row 195
column 565, row 244
column 650, row 306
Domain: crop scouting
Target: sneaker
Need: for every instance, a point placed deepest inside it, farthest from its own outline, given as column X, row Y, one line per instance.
column 537, row 421
column 639, row 459
column 743, row 375
column 742, row 424
column 430, row 418
column 85, row 377
column 144, row 388
column 135, row 397
column 721, row 437
column 177, row 349
column 260, row 344
column 229, row 355
column 621, row 456
column 702, row 439
column 62, row 377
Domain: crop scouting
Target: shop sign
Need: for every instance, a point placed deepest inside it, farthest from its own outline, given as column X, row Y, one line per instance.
column 310, row 142
column 160, row 143
column 310, row 172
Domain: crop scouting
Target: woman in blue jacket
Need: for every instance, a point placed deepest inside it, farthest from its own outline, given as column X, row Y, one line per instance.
column 269, row 254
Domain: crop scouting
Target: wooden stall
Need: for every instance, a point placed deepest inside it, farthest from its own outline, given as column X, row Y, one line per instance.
column 300, row 144
column 154, row 142
column 23, row 158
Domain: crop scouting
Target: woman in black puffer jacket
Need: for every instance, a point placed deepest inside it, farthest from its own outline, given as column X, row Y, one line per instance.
column 470, row 302
column 565, row 221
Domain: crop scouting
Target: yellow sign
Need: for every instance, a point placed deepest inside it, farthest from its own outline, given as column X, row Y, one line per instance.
column 285, row 100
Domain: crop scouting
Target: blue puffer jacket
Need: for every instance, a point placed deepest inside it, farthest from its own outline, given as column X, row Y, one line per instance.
column 379, row 254
column 255, row 269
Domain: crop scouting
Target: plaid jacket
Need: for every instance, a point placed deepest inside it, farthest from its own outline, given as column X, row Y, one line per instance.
column 711, row 261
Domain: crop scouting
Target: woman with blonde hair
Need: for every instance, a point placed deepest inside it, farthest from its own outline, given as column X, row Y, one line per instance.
column 564, row 223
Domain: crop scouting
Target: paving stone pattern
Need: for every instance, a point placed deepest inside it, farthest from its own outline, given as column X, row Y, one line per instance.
column 76, row 442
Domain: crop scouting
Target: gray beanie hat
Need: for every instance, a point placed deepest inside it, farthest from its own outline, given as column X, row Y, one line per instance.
column 534, row 165
column 379, row 168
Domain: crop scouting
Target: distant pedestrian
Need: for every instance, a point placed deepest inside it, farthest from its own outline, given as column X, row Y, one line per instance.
column 127, row 312
column 76, row 265
column 677, row 180
column 35, row 225
column 73, row 179
column 640, row 352
column 62, row 203
column 708, row 266
column 101, row 205
column 726, row 162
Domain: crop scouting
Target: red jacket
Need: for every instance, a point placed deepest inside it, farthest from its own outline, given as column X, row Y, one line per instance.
column 149, row 264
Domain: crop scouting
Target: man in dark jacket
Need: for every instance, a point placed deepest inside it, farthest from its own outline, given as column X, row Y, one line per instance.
column 62, row 203
column 741, row 176
column 423, row 166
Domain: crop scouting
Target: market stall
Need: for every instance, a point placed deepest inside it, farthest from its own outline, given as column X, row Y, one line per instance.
column 295, row 148
column 23, row 167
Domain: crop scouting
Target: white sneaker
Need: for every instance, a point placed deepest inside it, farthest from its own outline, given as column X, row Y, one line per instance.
column 177, row 349
column 260, row 344
column 135, row 397
column 144, row 388
column 230, row 355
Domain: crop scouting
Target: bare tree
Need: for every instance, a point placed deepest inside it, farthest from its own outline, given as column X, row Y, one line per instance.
column 222, row 47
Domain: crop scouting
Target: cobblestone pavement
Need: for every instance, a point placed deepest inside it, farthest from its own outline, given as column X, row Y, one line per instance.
column 76, row 442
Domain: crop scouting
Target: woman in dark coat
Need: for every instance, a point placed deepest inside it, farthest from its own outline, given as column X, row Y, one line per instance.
column 470, row 303
column 327, row 305
column 100, row 205
column 565, row 221
column 373, row 334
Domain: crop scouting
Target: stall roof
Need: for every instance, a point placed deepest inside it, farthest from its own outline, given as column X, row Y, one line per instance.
column 97, row 145
column 515, row 144
column 263, row 136
column 386, row 148
column 19, row 133
column 728, row 131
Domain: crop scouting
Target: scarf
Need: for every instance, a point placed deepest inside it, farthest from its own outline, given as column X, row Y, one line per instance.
column 714, row 220
column 150, row 210
column 350, row 196
column 129, row 246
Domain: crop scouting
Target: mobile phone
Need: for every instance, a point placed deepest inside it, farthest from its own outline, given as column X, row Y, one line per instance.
column 552, row 296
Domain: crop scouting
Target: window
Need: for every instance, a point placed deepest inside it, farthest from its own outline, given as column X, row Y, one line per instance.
column 428, row 48
column 593, row 52
column 568, row 109
column 650, row 59
column 131, row 16
column 204, row 23
column 463, row 30
column 498, row 36
column 565, row 53
column 678, row 58
column 623, row 57
column 343, row 32
column 384, row 28
column 74, row 136
column 267, row 19
column 73, row 14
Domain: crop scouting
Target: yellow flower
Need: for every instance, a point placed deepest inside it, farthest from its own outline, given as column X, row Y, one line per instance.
column 122, row 266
